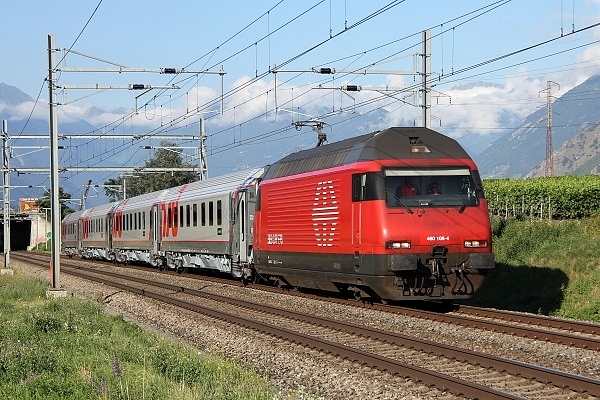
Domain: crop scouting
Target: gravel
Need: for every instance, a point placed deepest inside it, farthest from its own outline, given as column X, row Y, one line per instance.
column 298, row 371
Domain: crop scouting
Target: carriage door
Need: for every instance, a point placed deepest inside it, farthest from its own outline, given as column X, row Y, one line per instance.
column 79, row 236
column 108, row 229
column 155, row 228
column 242, row 226
column 359, row 193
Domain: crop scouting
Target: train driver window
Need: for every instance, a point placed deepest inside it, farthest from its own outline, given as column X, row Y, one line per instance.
column 430, row 187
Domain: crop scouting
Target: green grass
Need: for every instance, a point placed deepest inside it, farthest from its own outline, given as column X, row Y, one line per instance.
column 545, row 267
column 69, row 349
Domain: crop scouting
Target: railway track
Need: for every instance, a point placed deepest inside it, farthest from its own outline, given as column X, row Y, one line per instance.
column 448, row 368
column 580, row 334
column 574, row 333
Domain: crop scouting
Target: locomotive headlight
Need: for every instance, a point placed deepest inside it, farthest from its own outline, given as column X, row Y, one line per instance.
column 396, row 245
column 476, row 243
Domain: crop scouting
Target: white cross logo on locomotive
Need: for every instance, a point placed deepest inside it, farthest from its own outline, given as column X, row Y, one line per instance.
column 325, row 214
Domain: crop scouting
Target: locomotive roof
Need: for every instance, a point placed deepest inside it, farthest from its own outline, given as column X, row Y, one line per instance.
column 390, row 144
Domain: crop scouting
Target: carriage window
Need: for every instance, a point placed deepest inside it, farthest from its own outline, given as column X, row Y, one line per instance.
column 143, row 219
column 170, row 217
column 219, row 213
column 211, row 212
column 194, row 214
column 187, row 215
column 444, row 187
column 203, row 212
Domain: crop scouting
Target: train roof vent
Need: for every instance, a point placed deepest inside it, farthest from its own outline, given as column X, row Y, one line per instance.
column 308, row 164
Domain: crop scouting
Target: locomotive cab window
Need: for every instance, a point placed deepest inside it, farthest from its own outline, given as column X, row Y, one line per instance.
column 431, row 187
column 366, row 186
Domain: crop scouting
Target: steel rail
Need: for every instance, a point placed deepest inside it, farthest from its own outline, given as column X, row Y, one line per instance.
column 493, row 326
column 541, row 320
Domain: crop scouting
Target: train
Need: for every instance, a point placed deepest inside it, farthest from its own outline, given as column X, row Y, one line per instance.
column 392, row 215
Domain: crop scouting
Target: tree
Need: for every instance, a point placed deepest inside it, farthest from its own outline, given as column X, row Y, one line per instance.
column 63, row 198
column 167, row 156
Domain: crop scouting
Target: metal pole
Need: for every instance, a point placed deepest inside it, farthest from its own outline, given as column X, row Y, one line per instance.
column 6, row 181
column 54, row 186
column 426, row 79
column 203, row 161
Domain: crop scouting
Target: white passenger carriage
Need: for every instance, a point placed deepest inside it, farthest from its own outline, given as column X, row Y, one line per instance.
column 133, row 234
column 205, row 224
column 208, row 224
column 70, row 234
column 94, row 230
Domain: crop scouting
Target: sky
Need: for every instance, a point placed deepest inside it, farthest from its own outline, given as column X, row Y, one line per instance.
column 515, row 46
column 245, row 39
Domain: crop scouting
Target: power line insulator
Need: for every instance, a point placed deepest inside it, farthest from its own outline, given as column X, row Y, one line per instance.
column 327, row 71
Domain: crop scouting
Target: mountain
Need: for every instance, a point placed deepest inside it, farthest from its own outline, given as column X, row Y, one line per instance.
column 11, row 96
column 577, row 156
column 521, row 152
column 23, row 151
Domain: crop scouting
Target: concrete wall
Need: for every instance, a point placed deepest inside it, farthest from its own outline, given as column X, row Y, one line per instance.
column 39, row 230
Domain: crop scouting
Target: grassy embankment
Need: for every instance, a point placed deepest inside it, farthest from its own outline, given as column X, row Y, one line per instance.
column 545, row 267
column 69, row 349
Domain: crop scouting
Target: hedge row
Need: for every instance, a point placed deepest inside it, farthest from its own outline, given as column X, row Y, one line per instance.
column 560, row 197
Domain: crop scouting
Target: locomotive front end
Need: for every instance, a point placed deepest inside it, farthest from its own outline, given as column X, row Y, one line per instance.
column 437, row 231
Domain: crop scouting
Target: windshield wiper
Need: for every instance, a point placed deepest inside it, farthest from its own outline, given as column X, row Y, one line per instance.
column 400, row 203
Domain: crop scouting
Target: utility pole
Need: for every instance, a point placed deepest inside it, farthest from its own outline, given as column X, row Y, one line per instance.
column 549, row 170
column 203, row 160
column 84, row 197
column 424, row 89
column 426, row 79
column 55, row 214
column 6, row 191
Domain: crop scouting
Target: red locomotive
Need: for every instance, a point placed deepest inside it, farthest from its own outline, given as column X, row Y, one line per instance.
column 398, row 214
column 391, row 215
